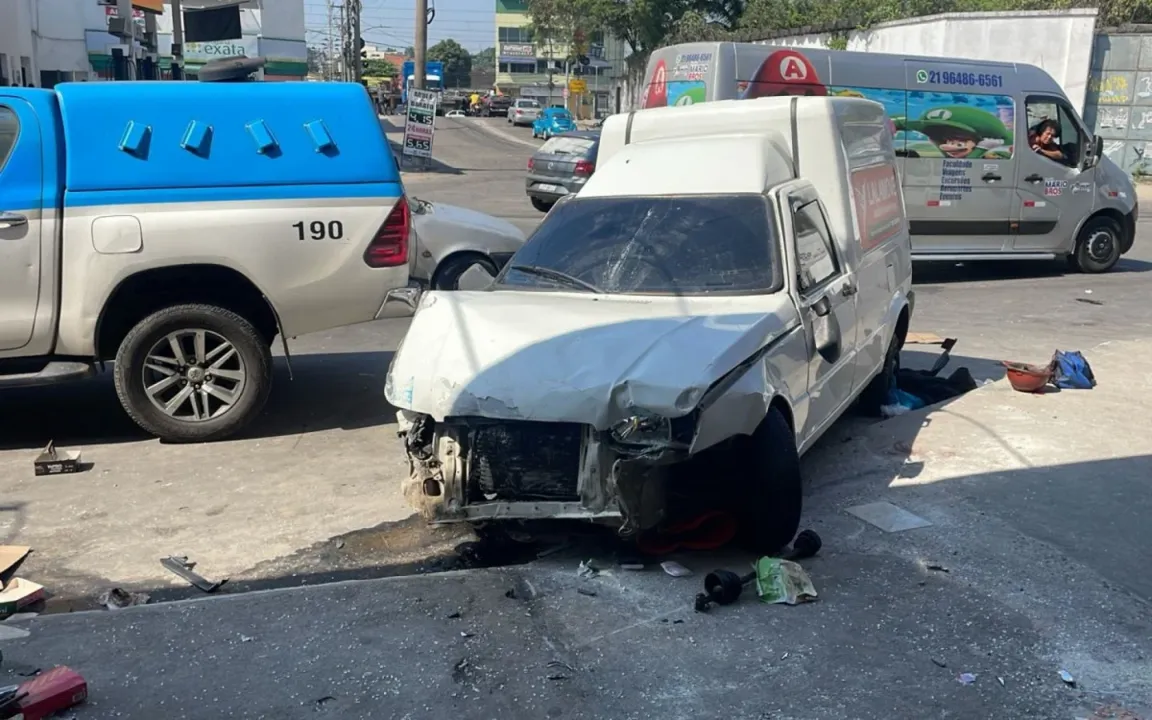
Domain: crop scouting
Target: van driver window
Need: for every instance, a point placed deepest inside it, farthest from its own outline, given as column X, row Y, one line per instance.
column 1053, row 132
column 814, row 247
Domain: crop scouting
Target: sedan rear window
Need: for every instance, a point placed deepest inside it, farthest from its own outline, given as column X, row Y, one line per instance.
column 567, row 146
column 678, row 245
column 527, row 104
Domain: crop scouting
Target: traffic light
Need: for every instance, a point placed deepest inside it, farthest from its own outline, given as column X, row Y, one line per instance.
column 363, row 56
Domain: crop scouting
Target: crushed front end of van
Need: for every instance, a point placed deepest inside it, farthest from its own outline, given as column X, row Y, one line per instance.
column 572, row 405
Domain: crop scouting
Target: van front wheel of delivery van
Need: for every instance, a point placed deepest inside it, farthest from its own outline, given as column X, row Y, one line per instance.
column 1098, row 246
column 193, row 373
column 769, row 513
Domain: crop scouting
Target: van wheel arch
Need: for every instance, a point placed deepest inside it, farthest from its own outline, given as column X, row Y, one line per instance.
column 143, row 293
column 1081, row 258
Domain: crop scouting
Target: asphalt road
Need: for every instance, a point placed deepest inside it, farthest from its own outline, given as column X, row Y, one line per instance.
column 311, row 493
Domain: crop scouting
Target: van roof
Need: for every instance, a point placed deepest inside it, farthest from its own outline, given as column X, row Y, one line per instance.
column 745, row 146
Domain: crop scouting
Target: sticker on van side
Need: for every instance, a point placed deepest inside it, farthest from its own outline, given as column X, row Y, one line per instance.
column 990, row 81
column 665, row 88
column 876, row 195
column 925, row 123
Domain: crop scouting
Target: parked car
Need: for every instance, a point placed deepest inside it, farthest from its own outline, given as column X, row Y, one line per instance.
column 561, row 167
column 496, row 106
column 455, row 114
column 172, row 231
column 728, row 314
column 552, row 121
column 447, row 241
column 523, row 112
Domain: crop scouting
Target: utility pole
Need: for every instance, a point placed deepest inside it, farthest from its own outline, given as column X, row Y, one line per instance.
column 421, row 46
column 177, row 41
column 357, row 64
column 330, row 57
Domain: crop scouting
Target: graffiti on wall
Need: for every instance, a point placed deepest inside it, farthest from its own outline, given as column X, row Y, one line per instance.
column 1110, row 89
column 1113, row 118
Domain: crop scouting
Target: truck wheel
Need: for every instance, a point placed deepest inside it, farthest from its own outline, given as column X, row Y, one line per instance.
column 193, row 373
column 1097, row 246
column 769, row 513
column 447, row 276
column 541, row 205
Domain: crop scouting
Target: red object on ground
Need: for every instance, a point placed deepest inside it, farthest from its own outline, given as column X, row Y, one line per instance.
column 1028, row 378
column 58, row 689
column 712, row 530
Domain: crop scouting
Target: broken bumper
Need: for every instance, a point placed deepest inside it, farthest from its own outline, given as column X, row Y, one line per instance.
column 479, row 470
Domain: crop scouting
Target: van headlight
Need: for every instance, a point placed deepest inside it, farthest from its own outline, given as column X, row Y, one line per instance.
column 642, row 430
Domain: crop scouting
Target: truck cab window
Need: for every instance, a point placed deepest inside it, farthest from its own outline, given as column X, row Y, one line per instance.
column 9, row 128
column 1053, row 131
column 814, row 250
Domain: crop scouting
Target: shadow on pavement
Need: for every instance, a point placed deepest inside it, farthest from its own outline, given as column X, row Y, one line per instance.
column 976, row 271
column 330, row 391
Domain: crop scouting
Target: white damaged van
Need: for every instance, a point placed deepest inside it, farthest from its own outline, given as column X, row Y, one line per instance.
column 738, row 310
column 995, row 163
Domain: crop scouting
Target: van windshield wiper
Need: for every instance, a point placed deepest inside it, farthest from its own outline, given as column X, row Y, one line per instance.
column 561, row 277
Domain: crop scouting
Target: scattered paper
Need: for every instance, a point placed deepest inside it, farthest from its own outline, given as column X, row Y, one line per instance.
column 782, row 581
column 675, row 569
column 888, row 517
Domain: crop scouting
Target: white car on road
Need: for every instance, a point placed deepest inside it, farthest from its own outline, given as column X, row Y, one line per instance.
column 449, row 240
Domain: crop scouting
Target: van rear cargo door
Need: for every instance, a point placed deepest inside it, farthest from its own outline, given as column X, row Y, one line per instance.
column 957, row 138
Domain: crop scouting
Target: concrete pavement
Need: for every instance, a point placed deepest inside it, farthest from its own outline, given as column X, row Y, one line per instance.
column 1037, row 509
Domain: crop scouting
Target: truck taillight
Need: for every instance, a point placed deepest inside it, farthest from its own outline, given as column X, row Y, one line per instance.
column 390, row 246
column 585, row 167
column 531, row 163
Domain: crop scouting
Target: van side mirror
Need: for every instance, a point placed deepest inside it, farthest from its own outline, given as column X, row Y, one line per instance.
column 822, row 307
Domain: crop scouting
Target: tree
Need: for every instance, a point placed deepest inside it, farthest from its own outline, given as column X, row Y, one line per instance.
column 485, row 59
column 457, row 62
column 409, row 52
column 380, row 68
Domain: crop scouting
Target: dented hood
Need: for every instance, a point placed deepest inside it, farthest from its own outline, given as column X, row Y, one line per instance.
column 575, row 357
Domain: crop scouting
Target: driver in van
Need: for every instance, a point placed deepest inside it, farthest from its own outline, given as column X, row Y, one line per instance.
column 1042, row 139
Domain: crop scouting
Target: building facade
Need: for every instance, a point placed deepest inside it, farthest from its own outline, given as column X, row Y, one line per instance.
column 529, row 67
column 42, row 42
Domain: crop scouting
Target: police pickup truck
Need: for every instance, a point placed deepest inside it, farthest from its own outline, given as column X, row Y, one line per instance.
column 177, row 228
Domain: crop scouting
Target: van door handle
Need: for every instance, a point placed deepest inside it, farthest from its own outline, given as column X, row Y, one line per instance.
column 11, row 220
column 848, row 290
column 1034, row 178
column 990, row 177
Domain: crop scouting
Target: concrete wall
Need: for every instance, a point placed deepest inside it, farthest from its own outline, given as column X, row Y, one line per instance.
column 1060, row 42
column 1119, row 105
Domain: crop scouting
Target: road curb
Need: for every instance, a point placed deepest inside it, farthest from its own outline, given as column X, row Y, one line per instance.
column 500, row 134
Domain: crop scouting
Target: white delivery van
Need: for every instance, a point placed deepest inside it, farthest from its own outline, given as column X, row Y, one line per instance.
column 994, row 161
column 736, row 310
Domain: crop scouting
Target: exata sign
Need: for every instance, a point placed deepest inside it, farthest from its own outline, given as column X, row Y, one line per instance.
column 203, row 52
column 877, row 199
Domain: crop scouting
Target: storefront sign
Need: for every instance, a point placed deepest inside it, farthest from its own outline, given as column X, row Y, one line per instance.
column 420, row 124
column 202, row 52
column 524, row 50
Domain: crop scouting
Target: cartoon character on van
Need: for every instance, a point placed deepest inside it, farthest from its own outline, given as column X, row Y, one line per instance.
column 962, row 131
column 785, row 72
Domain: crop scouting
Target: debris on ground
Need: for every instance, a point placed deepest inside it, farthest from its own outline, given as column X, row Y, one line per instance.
column 50, row 692
column 675, row 569
column 939, row 663
column 118, row 598
column 586, row 591
column 1071, row 371
column 181, row 566
column 888, row 517
column 15, row 592
column 710, row 530
column 586, row 570
column 783, row 581
column 1090, row 301
column 937, row 568
column 559, row 670
column 1112, row 711
column 923, row 338
column 913, row 389
column 1067, row 677
column 967, row 678
column 51, row 461
column 1028, row 378
column 723, row 587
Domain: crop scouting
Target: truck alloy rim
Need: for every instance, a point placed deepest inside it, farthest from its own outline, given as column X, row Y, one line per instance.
column 1100, row 245
column 194, row 375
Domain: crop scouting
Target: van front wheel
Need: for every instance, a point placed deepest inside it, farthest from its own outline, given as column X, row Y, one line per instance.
column 1098, row 246
column 769, row 511
column 193, row 373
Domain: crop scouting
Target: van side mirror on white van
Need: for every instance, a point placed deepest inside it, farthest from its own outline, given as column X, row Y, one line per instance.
column 1097, row 151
